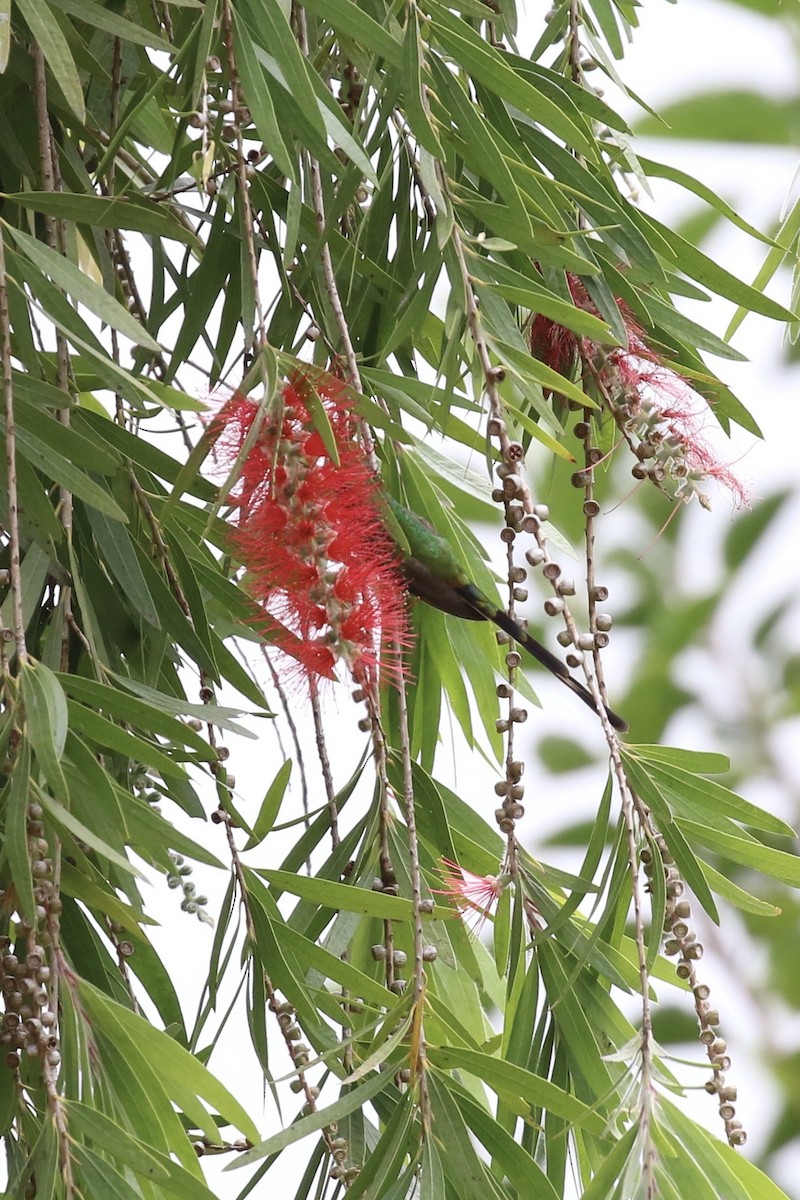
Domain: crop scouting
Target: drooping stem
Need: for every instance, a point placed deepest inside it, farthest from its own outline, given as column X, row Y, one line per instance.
column 243, row 182
column 18, row 621
column 419, row 1063
column 324, row 761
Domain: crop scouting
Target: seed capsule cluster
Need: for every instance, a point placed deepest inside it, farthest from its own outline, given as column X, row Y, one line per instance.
column 681, row 941
column 28, row 1024
column 179, row 878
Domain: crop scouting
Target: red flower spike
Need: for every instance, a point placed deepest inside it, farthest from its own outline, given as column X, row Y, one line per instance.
column 321, row 564
column 659, row 409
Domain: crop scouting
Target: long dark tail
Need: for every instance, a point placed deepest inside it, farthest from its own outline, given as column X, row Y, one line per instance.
column 542, row 655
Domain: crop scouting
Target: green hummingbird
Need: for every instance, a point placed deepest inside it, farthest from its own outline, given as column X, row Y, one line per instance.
column 435, row 575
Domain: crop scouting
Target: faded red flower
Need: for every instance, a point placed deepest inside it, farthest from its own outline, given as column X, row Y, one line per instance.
column 320, row 562
column 474, row 894
column 654, row 406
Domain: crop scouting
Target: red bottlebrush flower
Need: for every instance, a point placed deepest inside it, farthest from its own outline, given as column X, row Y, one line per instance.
column 321, row 564
column 654, row 406
column 473, row 894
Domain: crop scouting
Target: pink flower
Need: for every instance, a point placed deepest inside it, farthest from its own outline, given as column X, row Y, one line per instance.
column 654, row 406
column 474, row 894
column 321, row 565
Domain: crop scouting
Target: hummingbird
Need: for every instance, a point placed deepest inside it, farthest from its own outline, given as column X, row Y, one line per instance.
column 434, row 574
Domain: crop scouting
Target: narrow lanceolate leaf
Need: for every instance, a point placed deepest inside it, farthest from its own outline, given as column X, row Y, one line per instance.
column 70, row 443
column 135, row 712
column 5, row 33
column 46, row 719
column 493, row 71
column 349, row 18
column 124, row 1149
column 103, row 732
column 270, row 805
column 183, row 1074
column 106, row 19
column 62, row 471
column 778, row 864
column 63, row 817
column 15, row 833
column 259, row 100
column 83, row 289
column 340, row 895
column 348, row 1103
column 55, row 48
column 115, row 544
column 108, row 212
column 504, row 1077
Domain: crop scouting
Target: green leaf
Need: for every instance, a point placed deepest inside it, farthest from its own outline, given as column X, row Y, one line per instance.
column 348, row 1103
column 706, row 797
column 47, row 719
column 727, row 115
column 61, row 470
column 468, row 1177
column 660, row 170
column 713, row 276
column 69, row 442
column 153, row 836
column 107, row 212
column 116, row 1141
column 722, row 886
column 506, row 1078
column 688, row 864
column 257, row 91
column 66, row 275
column 416, row 113
column 778, row 864
column 213, row 714
column 105, row 733
column 102, row 901
column 107, row 20
column 340, row 896
column 701, row 762
column 138, row 712
column 63, row 817
column 734, row 1177
column 517, row 288
column 384, row 1164
column 115, row 543
column 491, row 68
column 354, row 21
column 137, row 450
column 183, row 1074
column 55, row 48
column 5, row 33
column 270, row 805
column 276, row 34
column 33, row 576
column 98, row 1177
column 612, row 1168
column 15, row 833
column 332, row 966
column 522, row 1171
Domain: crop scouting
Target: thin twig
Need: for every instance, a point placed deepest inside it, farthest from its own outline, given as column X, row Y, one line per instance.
column 298, row 749
column 324, row 761
column 419, row 1064
column 18, row 621
column 241, row 174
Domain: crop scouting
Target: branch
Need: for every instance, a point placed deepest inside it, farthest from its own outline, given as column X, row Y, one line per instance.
column 18, row 620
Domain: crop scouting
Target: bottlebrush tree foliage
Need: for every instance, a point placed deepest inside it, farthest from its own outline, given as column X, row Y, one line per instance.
column 262, row 266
